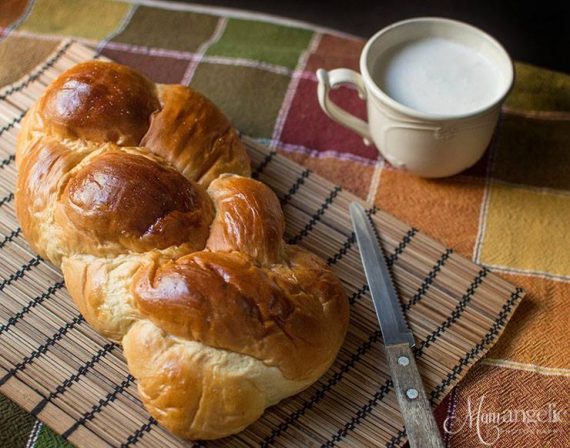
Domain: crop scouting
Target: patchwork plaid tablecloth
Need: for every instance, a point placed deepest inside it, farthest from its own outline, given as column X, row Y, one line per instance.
column 510, row 212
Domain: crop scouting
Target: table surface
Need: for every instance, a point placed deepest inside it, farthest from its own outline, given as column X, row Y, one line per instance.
column 508, row 213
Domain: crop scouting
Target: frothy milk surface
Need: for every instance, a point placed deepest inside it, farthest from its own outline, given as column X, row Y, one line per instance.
column 439, row 76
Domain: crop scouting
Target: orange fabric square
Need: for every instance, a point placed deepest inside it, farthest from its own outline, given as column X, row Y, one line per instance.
column 537, row 333
column 352, row 176
column 506, row 408
column 446, row 209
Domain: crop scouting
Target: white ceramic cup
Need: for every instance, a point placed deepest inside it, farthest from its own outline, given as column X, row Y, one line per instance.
column 425, row 144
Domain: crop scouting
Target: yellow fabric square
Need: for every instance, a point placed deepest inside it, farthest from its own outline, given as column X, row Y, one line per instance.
column 528, row 230
column 90, row 19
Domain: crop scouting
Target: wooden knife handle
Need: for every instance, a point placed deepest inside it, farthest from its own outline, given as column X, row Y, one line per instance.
column 418, row 417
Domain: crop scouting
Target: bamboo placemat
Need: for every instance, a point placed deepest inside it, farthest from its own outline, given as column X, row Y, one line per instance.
column 55, row 366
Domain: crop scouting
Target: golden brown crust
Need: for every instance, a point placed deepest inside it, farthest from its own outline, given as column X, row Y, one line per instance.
column 248, row 219
column 100, row 289
column 40, row 177
column 100, row 102
column 225, row 301
column 199, row 392
column 138, row 192
column 142, row 205
column 194, row 135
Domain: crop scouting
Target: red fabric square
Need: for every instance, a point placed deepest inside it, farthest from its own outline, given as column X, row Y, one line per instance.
column 335, row 52
column 162, row 69
column 308, row 126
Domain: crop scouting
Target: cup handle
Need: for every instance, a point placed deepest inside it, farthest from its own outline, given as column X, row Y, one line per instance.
column 333, row 79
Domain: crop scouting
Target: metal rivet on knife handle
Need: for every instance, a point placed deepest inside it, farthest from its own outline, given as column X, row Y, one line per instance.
column 412, row 394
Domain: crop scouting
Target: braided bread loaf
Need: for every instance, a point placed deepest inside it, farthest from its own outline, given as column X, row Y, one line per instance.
column 140, row 193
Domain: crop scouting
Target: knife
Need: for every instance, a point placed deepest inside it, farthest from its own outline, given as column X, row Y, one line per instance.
column 420, row 424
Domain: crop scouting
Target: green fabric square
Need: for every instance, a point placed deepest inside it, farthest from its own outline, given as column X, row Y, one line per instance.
column 249, row 96
column 260, row 41
column 15, row 424
column 533, row 151
column 47, row 438
column 89, row 19
column 173, row 30
column 539, row 89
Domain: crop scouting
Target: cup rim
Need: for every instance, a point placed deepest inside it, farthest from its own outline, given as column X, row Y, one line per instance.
column 426, row 115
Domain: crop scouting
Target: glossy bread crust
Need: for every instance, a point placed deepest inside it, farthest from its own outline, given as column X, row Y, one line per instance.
column 140, row 193
column 192, row 134
column 131, row 199
column 100, row 102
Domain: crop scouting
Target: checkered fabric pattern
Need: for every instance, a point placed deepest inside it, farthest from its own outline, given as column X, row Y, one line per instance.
column 510, row 212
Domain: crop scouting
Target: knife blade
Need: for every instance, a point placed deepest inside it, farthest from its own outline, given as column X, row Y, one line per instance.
column 398, row 339
column 386, row 303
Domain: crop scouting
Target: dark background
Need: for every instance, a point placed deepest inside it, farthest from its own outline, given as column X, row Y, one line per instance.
column 537, row 32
